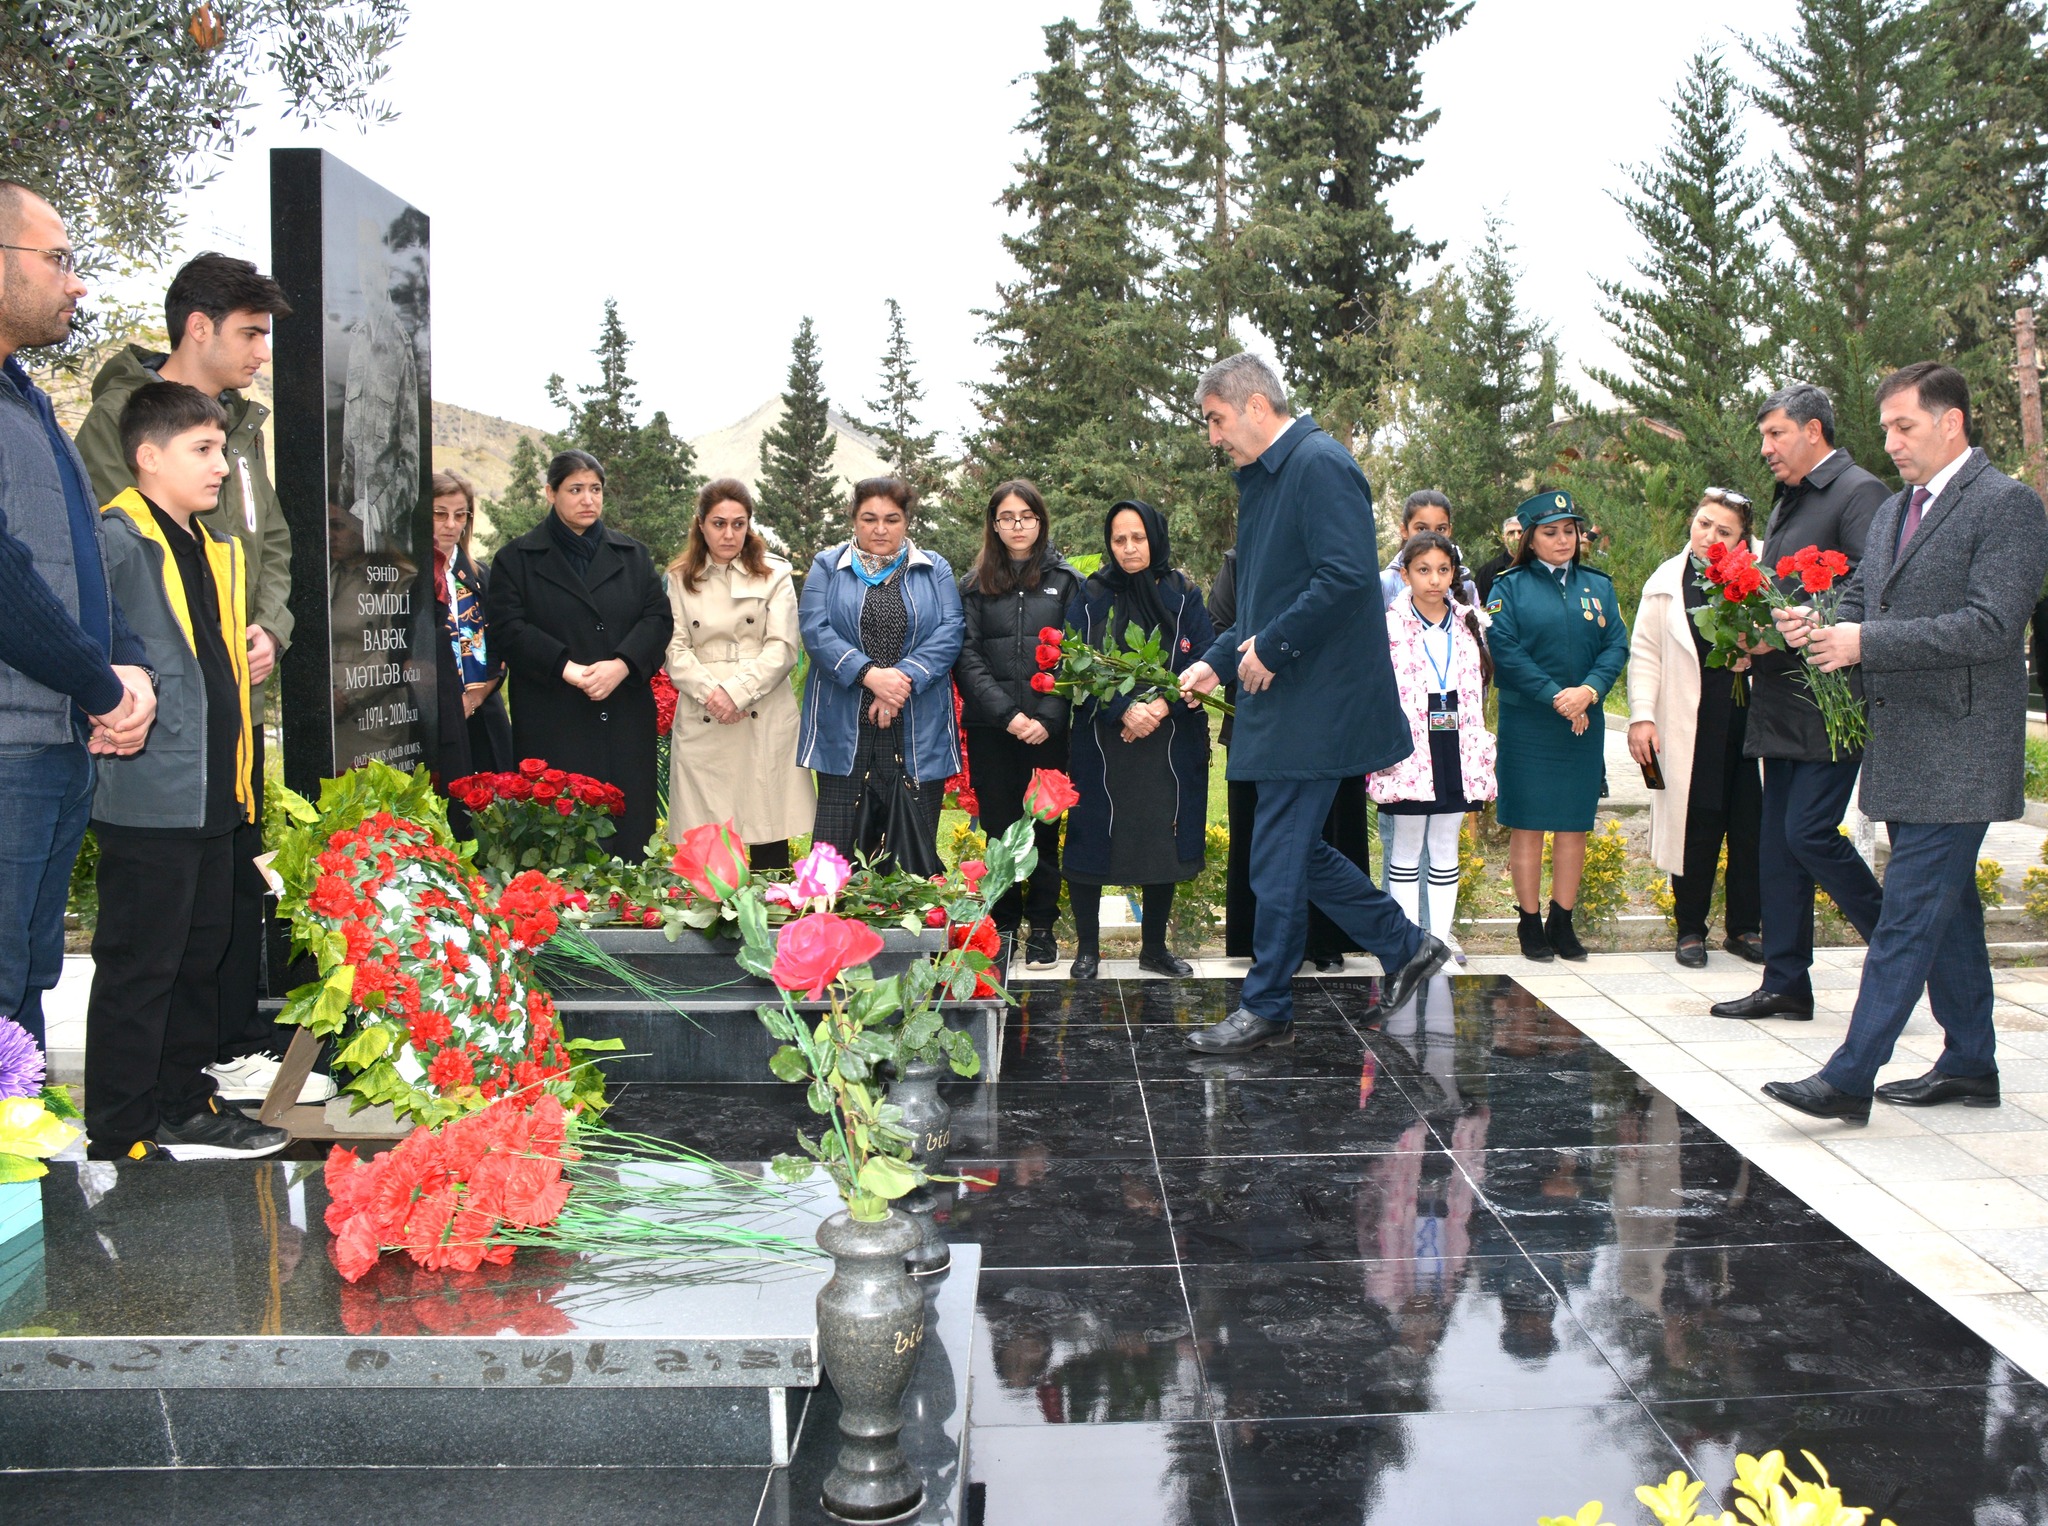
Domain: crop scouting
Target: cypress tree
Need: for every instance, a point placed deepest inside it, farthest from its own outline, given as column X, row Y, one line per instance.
column 800, row 498
column 1094, row 358
column 1842, row 317
column 521, row 506
column 1484, row 390
column 1692, row 326
column 1205, row 55
column 650, row 475
column 1340, row 95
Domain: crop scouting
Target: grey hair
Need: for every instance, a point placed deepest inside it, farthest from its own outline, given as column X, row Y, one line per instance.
column 1802, row 402
column 1235, row 378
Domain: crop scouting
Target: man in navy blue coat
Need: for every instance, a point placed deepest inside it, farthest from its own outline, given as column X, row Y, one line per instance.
column 1316, row 696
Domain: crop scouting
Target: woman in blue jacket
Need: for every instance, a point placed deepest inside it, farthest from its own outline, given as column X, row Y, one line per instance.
column 1558, row 644
column 881, row 622
column 1139, row 763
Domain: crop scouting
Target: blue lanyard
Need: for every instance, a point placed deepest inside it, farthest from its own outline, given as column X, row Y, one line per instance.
column 1444, row 669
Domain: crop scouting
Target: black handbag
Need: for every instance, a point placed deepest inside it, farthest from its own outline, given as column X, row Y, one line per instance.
column 890, row 825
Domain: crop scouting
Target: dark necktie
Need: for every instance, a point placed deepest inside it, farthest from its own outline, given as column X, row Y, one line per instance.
column 1913, row 507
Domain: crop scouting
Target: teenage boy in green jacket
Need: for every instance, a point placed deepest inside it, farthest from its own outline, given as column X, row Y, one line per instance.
column 218, row 312
column 169, row 818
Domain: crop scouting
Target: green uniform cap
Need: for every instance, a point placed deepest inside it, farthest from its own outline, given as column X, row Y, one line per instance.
column 1547, row 507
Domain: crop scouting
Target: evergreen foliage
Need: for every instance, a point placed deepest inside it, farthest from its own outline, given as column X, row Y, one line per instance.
column 913, row 453
column 1693, row 325
column 1340, row 96
column 651, row 481
column 521, row 506
column 801, row 501
column 1475, row 424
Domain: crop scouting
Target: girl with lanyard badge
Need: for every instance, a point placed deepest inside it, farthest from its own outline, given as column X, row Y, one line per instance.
column 1441, row 669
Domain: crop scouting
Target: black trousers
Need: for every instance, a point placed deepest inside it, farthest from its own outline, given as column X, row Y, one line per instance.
column 1803, row 847
column 999, row 766
column 244, row 1028
column 153, row 1019
column 1343, row 829
column 1739, row 824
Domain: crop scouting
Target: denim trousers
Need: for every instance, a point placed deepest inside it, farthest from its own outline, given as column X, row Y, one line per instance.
column 45, row 802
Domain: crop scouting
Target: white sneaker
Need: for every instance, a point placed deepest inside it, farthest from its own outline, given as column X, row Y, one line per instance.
column 250, row 1078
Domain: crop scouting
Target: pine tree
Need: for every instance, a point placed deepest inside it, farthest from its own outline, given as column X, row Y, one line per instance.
column 1842, row 317
column 650, row 475
column 521, row 506
column 1976, row 165
column 943, row 523
column 1095, row 358
column 1340, row 96
column 1693, row 328
column 1484, row 389
column 1204, row 53
column 801, row 501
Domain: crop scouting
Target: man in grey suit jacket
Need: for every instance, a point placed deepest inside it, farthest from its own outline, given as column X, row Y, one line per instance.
column 1936, row 615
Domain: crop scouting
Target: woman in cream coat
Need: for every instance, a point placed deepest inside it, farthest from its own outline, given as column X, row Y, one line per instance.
column 732, row 752
column 1689, row 719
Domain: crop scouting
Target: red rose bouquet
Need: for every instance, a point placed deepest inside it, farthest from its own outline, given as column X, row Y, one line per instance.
column 664, row 702
column 1070, row 665
column 539, row 818
column 1739, row 621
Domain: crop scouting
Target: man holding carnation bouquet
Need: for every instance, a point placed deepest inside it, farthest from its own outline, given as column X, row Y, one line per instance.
column 1822, row 510
column 1936, row 617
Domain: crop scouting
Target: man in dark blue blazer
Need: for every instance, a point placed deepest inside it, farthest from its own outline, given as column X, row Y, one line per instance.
column 1316, row 696
column 1936, row 616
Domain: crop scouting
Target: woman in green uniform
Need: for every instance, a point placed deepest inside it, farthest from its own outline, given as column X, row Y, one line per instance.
column 1558, row 644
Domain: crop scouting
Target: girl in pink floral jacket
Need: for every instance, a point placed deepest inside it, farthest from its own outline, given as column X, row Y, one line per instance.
column 1441, row 669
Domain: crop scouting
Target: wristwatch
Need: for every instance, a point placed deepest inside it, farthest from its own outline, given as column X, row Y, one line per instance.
column 156, row 684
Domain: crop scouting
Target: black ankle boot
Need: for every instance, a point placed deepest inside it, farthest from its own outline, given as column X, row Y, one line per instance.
column 1561, row 935
column 1534, row 944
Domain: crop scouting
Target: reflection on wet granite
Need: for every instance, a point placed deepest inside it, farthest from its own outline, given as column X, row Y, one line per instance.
column 1101, row 1475
column 729, row 1121
column 1092, row 1346
column 1320, row 1207
column 1931, row 1457
column 1220, row 1114
column 1488, row 1469
column 1197, row 1003
column 1319, row 1049
column 1698, row 1322
column 1453, row 1332
column 1049, row 1120
column 1041, row 1211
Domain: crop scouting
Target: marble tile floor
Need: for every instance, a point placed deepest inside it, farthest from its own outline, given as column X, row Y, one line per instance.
column 1464, row 1264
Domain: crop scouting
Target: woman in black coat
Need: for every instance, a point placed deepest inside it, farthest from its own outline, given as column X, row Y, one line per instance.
column 1017, row 587
column 1140, row 762
column 1343, row 829
column 579, row 615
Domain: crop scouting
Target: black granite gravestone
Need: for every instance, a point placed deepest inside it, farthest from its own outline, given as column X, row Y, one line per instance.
column 354, row 458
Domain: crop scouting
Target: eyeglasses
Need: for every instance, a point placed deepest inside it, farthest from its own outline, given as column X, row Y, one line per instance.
column 1015, row 521
column 1726, row 495
column 62, row 258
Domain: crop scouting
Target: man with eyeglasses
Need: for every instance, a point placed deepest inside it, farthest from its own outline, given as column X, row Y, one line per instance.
column 1824, row 499
column 72, row 677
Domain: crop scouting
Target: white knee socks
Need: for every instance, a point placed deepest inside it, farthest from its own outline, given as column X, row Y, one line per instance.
column 1404, row 839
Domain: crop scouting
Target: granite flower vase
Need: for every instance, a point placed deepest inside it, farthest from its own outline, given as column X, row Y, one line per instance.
column 871, row 1319
column 928, row 1119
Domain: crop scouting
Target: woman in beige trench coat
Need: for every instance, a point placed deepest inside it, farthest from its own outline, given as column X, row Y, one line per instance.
column 1689, row 719
column 732, row 751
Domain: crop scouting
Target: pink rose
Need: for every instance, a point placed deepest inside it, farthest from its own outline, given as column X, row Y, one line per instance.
column 821, row 874
column 712, row 859
column 811, row 952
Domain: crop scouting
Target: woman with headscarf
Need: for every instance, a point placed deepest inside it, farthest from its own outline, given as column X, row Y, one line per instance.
column 1139, row 762
column 579, row 615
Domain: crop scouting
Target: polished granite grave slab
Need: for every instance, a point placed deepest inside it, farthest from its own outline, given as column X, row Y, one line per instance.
column 1454, row 1263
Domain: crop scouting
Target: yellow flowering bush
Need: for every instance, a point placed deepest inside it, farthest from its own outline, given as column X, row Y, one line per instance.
column 1990, row 882
column 1603, row 889
column 1769, row 1494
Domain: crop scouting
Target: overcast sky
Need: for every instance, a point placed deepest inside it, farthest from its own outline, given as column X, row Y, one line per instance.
column 722, row 176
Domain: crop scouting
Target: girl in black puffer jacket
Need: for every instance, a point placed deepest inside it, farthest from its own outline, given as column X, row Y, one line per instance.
column 1017, row 587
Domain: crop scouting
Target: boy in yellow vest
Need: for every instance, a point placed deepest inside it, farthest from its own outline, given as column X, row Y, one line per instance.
column 166, row 818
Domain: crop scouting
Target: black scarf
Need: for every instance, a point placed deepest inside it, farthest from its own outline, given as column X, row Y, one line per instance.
column 580, row 547
column 1134, row 597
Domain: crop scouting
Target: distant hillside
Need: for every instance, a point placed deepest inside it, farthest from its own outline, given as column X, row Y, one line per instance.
column 735, row 451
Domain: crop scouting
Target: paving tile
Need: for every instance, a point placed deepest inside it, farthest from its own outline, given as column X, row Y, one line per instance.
column 1863, row 1209
column 1583, row 1010
column 1938, row 1264
column 2021, row 1154
column 1748, row 1124
column 1545, row 987
column 1744, row 1053
column 1655, row 1059
column 1987, row 1203
column 2016, row 1323
column 2022, row 1254
column 1924, row 1158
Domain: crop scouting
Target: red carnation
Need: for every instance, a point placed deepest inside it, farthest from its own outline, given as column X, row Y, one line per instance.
column 429, row 1028
column 450, row 1070
column 332, row 897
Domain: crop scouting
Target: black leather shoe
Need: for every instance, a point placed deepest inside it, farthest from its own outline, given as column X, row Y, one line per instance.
column 1761, row 1003
column 1164, row 961
column 1084, row 967
column 1397, row 988
column 1529, row 931
column 1041, row 952
column 1329, row 965
column 1559, row 933
column 1816, row 1098
column 1934, row 1088
column 1745, row 946
column 1240, row 1033
column 1692, row 952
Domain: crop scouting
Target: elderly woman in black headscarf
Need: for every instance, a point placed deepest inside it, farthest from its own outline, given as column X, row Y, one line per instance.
column 1139, row 762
